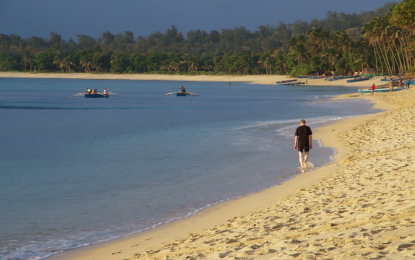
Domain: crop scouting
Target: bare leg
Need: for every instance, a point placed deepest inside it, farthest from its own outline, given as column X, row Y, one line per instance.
column 301, row 159
column 306, row 158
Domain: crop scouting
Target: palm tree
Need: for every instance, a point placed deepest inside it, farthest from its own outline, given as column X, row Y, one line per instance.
column 57, row 60
column 332, row 56
column 341, row 40
column 280, row 60
column 299, row 53
column 67, row 63
column 85, row 62
column 27, row 59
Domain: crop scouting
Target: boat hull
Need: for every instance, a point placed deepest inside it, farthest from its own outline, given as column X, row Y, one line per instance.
column 97, row 95
column 357, row 80
column 181, row 94
column 368, row 90
column 292, row 84
column 286, row 81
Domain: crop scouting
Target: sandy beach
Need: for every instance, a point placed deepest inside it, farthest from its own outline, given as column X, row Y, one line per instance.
column 255, row 79
column 361, row 206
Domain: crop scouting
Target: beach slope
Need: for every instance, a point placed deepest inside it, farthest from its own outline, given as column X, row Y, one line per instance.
column 363, row 208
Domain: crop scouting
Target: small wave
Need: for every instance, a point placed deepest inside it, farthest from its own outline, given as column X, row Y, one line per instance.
column 282, row 125
column 314, row 121
column 265, row 124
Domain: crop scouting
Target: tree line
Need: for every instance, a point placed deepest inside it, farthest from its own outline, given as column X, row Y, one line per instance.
column 330, row 45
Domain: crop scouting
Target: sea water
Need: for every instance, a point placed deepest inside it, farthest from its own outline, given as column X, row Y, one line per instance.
column 76, row 171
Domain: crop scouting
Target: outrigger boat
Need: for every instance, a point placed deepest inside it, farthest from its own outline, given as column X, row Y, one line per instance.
column 340, row 77
column 358, row 79
column 286, row 81
column 292, row 84
column 391, row 79
column 380, row 88
column 181, row 94
column 95, row 95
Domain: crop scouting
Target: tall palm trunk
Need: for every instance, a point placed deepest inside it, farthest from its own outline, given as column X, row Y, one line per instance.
column 376, row 59
column 392, row 55
column 403, row 45
column 385, row 59
column 401, row 67
column 377, row 51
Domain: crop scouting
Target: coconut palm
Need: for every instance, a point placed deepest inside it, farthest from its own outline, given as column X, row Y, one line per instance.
column 27, row 59
column 299, row 53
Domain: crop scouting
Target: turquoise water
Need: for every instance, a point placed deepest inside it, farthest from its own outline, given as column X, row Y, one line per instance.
column 77, row 171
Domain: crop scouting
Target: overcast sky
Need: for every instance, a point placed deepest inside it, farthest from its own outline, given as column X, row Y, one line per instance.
column 143, row 17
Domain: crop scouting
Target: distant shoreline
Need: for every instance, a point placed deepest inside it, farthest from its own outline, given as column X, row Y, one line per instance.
column 254, row 79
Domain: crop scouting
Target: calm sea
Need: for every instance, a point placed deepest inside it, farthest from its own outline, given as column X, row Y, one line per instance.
column 76, row 171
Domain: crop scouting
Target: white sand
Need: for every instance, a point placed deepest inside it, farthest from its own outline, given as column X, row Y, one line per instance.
column 362, row 206
column 256, row 79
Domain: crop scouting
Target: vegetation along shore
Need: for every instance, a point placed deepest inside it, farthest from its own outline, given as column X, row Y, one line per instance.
column 338, row 44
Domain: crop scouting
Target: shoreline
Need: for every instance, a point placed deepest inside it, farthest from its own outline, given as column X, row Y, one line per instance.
column 152, row 239
column 254, row 79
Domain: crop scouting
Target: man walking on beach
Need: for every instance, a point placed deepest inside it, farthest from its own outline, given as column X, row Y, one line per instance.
column 304, row 142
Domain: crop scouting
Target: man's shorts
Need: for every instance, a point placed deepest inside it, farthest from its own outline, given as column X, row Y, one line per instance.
column 303, row 148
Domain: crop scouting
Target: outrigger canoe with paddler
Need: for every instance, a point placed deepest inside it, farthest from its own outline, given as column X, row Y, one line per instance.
column 182, row 93
column 94, row 94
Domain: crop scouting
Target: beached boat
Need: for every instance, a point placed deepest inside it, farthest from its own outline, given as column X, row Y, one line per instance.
column 345, row 77
column 292, row 83
column 383, row 88
column 286, row 81
column 376, row 75
column 394, row 80
column 358, row 79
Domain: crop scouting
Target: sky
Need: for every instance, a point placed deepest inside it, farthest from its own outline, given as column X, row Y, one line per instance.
column 143, row 17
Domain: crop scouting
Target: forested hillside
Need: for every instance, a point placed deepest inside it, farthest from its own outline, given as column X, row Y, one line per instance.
column 334, row 43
